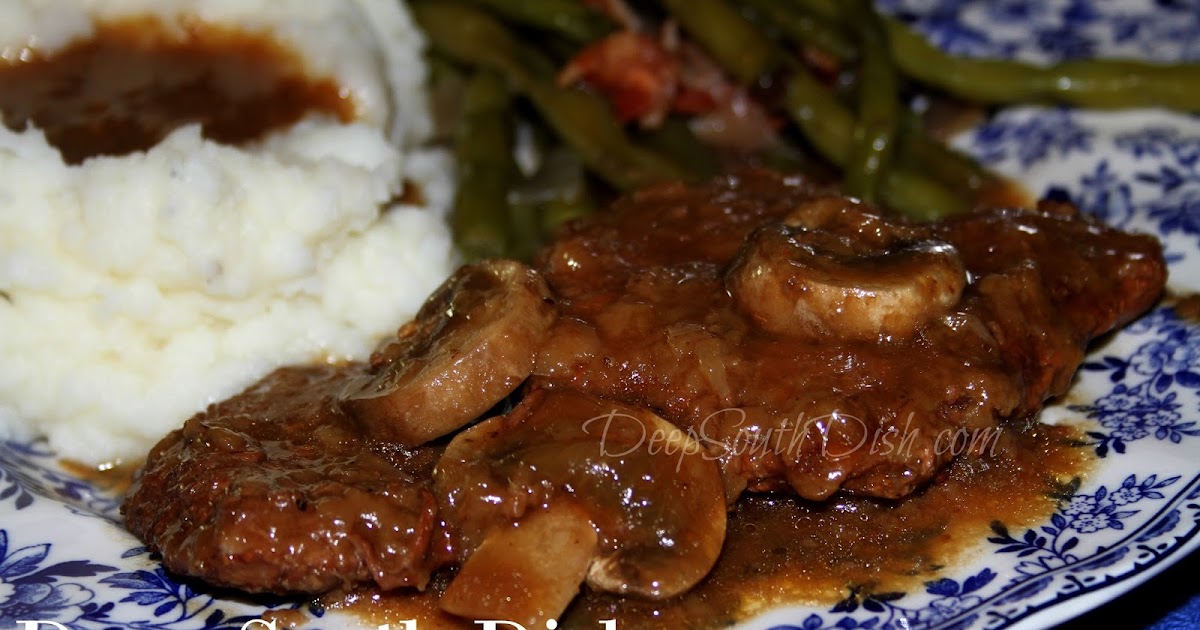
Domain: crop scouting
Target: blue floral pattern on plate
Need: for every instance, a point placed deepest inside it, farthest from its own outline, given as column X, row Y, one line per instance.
column 84, row 594
column 1144, row 401
column 64, row 556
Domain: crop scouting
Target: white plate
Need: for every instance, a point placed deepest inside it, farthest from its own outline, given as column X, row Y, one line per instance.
column 65, row 557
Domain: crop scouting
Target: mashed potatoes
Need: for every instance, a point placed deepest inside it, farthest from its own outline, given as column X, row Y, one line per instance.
column 139, row 288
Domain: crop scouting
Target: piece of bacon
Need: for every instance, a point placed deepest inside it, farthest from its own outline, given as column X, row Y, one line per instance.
column 633, row 70
column 647, row 77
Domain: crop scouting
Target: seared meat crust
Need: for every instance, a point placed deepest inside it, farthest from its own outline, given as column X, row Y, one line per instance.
column 277, row 490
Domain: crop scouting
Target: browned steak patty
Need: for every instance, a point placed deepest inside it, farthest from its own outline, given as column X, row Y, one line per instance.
column 808, row 341
column 823, row 345
column 276, row 490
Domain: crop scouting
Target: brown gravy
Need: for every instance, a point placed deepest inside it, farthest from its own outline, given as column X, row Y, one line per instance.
column 112, row 478
column 134, row 81
column 1186, row 305
column 780, row 550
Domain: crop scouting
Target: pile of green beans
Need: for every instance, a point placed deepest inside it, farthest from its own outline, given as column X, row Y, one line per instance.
column 475, row 38
column 862, row 127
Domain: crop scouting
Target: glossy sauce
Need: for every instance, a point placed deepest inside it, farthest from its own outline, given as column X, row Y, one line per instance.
column 781, row 550
column 133, row 82
column 111, row 478
column 660, row 256
column 1186, row 305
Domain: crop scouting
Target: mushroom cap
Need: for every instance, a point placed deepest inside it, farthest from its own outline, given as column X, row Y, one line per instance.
column 471, row 344
column 654, row 495
column 833, row 266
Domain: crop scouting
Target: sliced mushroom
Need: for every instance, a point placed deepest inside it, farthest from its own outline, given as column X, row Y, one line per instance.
column 835, row 267
column 471, row 344
column 503, row 580
column 654, row 496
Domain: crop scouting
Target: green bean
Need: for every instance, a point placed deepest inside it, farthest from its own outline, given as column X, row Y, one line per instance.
column 473, row 37
column 878, row 106
column 1101, row 83
column 805, row 28
column 919, row 197
column 556, row 212
column 829, row 126
column 587, row 124
column 727, row 35
column 582, row 120
column 558, row 190
column 447, row 85
column 784, row 157
column 483, row 149
column 569, row 18
column 675, row 141
column 1093, row 83
column 526, row 223
column 821, row 117
column 955, row 170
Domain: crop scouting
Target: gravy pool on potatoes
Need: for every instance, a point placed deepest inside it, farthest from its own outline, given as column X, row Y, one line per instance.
column 134, row 81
